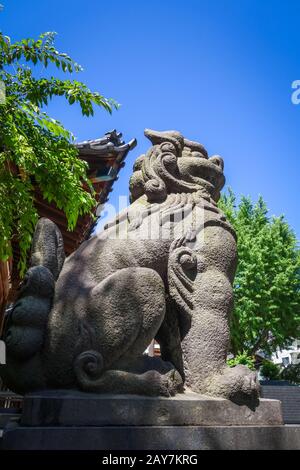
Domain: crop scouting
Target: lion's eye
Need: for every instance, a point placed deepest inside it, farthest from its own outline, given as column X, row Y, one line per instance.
column 197, row 155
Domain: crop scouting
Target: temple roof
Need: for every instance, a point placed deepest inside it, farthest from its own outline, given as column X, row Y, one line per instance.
column 111, row 142
column 105, row 157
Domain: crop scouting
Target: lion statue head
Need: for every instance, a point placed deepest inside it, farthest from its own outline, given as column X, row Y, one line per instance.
column 175, row 165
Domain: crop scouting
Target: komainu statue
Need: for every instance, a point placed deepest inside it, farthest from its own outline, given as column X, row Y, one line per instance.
column 162, row 269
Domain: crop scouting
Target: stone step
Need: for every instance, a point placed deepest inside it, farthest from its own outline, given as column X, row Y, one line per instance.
column 73, row 408
column 152, row 437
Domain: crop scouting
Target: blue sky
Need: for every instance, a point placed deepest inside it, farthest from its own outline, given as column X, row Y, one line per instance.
column 220, row 71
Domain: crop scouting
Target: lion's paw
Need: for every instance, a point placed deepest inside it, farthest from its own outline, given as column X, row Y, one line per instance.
column 172, row 382
column 239, row 384
column 165, row 385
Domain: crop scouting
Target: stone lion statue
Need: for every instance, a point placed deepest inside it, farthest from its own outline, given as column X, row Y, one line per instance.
column 162, row 269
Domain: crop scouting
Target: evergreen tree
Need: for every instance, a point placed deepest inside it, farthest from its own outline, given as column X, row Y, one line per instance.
column 267, row 283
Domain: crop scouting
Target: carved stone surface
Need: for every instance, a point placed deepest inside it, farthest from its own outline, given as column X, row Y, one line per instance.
column 71, row 408
column 163, row 269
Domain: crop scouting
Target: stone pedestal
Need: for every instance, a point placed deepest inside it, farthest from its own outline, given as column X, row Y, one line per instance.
column 74, row 420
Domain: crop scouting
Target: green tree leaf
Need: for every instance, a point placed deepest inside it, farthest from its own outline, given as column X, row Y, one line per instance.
column 36, row 151
column 266, row 312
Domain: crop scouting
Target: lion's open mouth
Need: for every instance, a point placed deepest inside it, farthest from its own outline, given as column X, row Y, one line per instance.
column 202, row 171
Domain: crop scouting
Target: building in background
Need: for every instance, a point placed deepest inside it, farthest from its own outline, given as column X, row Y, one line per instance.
column 285, row 357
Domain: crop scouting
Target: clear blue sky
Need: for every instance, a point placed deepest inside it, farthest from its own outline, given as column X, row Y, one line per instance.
column 220, row 71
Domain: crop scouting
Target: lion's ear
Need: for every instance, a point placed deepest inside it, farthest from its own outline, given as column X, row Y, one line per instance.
column 136, row 186
column 139, row 163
